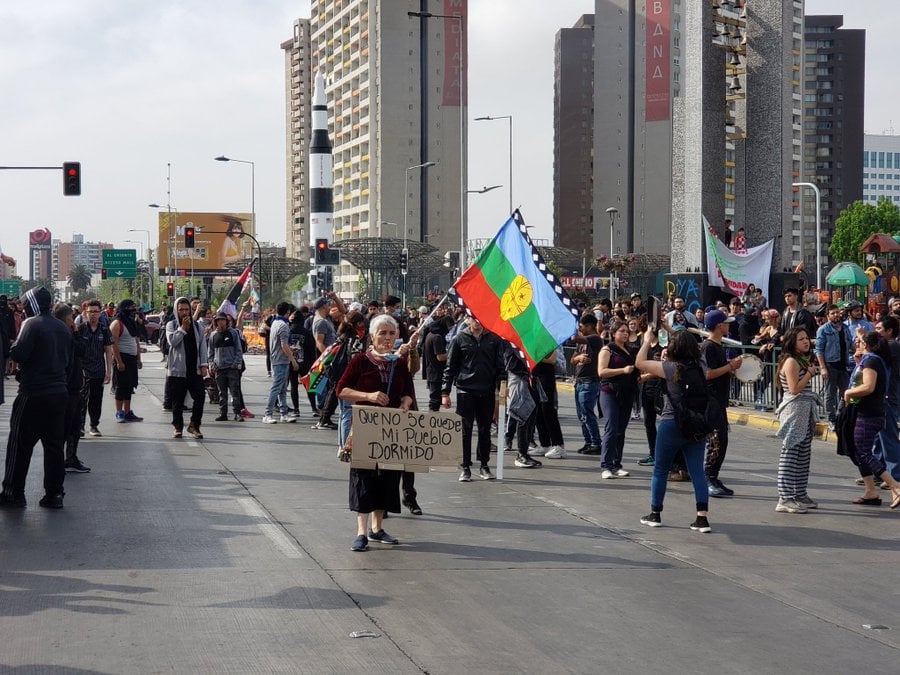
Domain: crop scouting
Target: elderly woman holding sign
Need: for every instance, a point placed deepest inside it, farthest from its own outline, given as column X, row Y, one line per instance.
column 377, row 377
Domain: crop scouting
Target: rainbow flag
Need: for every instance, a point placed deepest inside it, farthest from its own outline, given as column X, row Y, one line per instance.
column 316, row 378
column 512, row 293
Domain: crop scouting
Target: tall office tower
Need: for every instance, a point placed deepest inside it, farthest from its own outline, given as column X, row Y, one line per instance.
column 573, row 136
column 637, row 46
column 396, row 92
column 881, row 168
column 738, row 125
column 834, row 64
column 298, row 123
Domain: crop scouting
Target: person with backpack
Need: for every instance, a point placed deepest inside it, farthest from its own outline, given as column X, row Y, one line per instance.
column 227, row 347
column 718, row 369
column 682, row 423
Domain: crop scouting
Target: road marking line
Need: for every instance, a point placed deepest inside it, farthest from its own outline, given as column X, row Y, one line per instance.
column 193, row 444
column 270, row 529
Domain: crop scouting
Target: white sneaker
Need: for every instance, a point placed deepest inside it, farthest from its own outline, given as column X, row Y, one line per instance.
column 269, row 419
column 289, row 418
column 607, row 474
column 622, row 473
column 556, row 452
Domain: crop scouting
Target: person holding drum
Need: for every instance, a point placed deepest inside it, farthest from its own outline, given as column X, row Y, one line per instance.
column 718, row 377
column 797, row 415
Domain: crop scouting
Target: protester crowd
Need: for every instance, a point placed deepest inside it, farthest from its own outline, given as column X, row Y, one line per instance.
column 626, row 366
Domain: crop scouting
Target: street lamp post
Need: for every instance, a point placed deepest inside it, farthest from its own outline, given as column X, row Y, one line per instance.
column 171, row 242
column 462, row 129
column 486, row 188
column 489, row 118
column 223, row 158
column 149, row 262
column 403, row 271
column 815, row 188
column 613, row 213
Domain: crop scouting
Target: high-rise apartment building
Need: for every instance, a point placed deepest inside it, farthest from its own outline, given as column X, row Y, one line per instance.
column 834, row 64
column 881, row 168
column 69, row 254
column 573, row 136
column 396, row 98
column 298, row 125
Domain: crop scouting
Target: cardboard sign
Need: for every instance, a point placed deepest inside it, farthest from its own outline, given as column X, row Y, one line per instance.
column 416, row 440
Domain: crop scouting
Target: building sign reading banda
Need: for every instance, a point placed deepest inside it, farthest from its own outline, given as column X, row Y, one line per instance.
column 658, row 59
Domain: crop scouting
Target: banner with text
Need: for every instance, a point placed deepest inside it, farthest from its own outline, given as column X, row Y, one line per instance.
column 415, row 440
column 735, row 270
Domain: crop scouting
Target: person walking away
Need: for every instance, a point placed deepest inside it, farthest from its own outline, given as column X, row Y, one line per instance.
column 683, row 352
column 97, row 364
column 834, row 353
column 434, row 358
column 867, row 392
column 282, row 360
column 887, row 444
column 74, row 384
column 188, row 365
column 718, row 377
column 303, row 345
column 127, row 357
column 44, row 352
column 797, row 415
column 618, row 387
column 227, row 347
column 474, row 365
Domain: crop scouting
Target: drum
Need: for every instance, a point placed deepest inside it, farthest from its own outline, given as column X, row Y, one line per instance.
column 751, row 369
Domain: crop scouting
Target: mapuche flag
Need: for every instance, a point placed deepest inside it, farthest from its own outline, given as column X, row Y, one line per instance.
column 229, row 304
column 512, row 293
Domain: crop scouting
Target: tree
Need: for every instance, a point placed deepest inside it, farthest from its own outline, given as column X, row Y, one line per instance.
column 858, row 222
column 79, row 278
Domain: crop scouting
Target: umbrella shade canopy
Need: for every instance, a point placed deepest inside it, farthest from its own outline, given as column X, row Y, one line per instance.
column 847, row 274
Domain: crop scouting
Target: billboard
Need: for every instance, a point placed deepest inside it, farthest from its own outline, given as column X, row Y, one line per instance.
column 217, row 242
column 658, row 58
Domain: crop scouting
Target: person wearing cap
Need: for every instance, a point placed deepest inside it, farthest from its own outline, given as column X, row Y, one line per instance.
column 227, row 349
column 637, row 305
column 44, row 351
column 894, row 307
column 718, row 376
column 795, row 315
column 856, row 321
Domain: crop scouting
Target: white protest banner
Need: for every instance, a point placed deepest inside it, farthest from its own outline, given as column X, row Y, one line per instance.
column 415, row 440
column 735, row 270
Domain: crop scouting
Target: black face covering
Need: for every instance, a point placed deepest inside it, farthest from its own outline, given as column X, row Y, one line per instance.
column 126, row 314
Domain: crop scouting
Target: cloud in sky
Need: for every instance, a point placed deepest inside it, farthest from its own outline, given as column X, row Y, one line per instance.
column 126, row 87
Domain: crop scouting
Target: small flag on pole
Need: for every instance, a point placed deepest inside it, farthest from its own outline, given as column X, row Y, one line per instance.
column 229, row 304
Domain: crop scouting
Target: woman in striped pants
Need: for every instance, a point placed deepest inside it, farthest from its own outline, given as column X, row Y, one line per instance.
column 797, row 414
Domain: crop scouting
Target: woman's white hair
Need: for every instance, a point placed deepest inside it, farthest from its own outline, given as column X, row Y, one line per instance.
column 377, row 322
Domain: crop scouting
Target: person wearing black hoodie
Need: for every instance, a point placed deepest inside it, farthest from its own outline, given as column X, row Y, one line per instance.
column 74, row 384
column 44, row 352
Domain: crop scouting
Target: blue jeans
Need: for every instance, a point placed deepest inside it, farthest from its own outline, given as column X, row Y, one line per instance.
column 887, row 444
column 616, row 410
column 586, row 394
column 669, row 441
column 344, row 419
column 278, row 392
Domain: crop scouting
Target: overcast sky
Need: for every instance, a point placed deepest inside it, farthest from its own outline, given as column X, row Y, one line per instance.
column 126, row 87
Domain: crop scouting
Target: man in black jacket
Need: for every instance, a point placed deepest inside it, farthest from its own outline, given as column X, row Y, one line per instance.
column 795, row 315
column 474, row 364
column 43, row 351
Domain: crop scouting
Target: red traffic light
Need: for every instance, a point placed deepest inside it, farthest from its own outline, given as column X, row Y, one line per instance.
column 71, row 179
column 189, row 237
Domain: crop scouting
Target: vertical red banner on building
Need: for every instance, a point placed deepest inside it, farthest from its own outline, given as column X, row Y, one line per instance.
column 658, row 59
column 455, row 66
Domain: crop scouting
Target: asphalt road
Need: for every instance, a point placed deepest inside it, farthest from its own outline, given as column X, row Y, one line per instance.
column 232, row 555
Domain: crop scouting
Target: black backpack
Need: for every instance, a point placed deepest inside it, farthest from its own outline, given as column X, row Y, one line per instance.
column 696, row 410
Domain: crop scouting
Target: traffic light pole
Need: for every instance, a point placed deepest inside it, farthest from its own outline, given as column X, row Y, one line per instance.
column 71, row 175
column 258, row 252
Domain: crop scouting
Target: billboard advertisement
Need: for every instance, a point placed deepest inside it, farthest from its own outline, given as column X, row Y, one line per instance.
column 658, row 58
column 217, row 242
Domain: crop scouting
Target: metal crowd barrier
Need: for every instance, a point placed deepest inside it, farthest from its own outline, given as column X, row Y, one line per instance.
column 762, row 395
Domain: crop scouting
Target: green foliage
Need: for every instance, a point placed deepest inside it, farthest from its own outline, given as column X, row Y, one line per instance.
column 79, row 278
column 858, row 222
